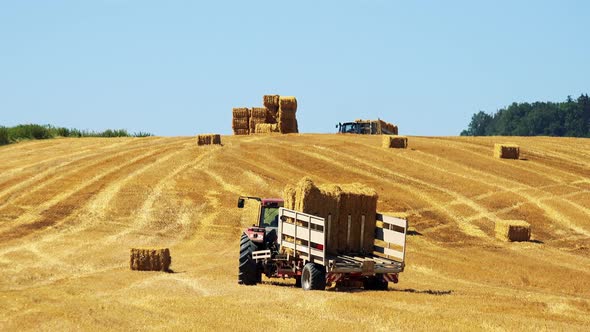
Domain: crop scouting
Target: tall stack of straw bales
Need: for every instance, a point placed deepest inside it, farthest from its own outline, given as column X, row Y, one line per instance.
column 277, row 110
column 349, row 211
column 150, row 259
column 258, row 115
column 241, row 121
column 208, row 139
column 506, row 151
column 513, row 230
column 287, row 117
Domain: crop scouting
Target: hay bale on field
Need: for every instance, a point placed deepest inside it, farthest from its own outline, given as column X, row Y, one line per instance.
column 396, row 142
column 240, row 123
column 506, row 151
column 349, row 211
column 513, row 230
column 258, row 115
column 150, row 259
column 208, row 139
column 266, row 128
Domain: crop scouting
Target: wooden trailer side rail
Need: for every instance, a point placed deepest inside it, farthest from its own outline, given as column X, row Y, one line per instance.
column 303, row 234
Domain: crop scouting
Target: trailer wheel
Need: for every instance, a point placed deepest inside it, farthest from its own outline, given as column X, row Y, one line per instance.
column 313, row 277
column 247, row 270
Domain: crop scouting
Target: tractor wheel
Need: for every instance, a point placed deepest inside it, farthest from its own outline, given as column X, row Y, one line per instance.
column 313, row 277
column 247, row 271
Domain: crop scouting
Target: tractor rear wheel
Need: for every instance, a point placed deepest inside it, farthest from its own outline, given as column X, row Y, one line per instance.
column 313, row 277
column 247, row 271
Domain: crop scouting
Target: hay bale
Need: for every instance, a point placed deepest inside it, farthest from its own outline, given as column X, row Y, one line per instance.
column 506, row 151
column 242, row 131
column 288, row 103
column 241, row 112
column 142, row 259
column 271, row 102
column 513, row 230
column 396, row 142
column 240, row 123
column 337, row 203
column 208, row 139
column 266, row 128
column 259, row 112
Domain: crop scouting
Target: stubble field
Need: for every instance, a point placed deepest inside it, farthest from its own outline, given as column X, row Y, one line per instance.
column 70, row 209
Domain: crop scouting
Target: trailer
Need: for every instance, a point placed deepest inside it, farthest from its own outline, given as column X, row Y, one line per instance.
column 302, row 253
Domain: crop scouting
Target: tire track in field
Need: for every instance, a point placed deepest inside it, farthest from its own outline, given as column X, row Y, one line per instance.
column 37, row 213
column 488, row 157
column 145, row 212
column 549, row 211
column 467, row 228
column 83, row 165
column 52, row 174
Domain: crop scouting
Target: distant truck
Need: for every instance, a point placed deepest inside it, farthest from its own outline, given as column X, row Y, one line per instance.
column 367, row 127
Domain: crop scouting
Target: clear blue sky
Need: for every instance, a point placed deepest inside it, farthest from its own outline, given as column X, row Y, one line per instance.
column 178, row 67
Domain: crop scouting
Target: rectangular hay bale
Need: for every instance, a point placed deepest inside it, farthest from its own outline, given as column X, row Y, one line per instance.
column 506, row 151
column 266, row 128
column 336, row 204
column 142, row 259
column 240, row 123
column 513, row 230
column 208, row 139
column 288, row 103
column 271, row 102
column 259, row 113
column 241, row 112
column 395, row 142
column 245, row 131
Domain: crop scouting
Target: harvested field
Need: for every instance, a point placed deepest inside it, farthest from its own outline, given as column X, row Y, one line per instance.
column 70, row 209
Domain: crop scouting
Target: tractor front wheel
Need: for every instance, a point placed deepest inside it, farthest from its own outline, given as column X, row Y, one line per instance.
column 247, row 271
column 313, row 277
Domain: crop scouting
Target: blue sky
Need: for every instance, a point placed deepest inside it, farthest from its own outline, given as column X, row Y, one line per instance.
column 178, row 67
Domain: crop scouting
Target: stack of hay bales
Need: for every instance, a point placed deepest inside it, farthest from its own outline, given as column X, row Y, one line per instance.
column 258, row 115
column 150, row 259
column 513, row 230
column 351, row 209
column 396, row 142
column 208, row 139
column 390, row 128
column 271, row 102
column 241, row 121
column 286, row 116
column 506, row 151
column 266, row 128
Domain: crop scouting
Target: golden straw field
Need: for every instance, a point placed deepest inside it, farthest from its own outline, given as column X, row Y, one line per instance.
column 70, row 210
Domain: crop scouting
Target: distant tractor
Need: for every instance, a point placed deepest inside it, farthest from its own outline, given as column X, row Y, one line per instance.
column 305, row 257
column 367, row 127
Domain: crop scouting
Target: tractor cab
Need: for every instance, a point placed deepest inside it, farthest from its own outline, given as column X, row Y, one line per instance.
column 268, row 217
column 357, row 127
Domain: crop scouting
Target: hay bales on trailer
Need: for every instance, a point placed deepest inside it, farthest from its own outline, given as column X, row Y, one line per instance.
column 506, row 151
column 142, row 259
column 241, row 121
column 208, row 139
column 386, row 128
column 349, row 212
column 513, row 230
column 394, row 142
column 266, row 128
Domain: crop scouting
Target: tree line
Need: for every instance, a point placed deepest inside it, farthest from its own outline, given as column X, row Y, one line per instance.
column 569, row 118
column 34, row 131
